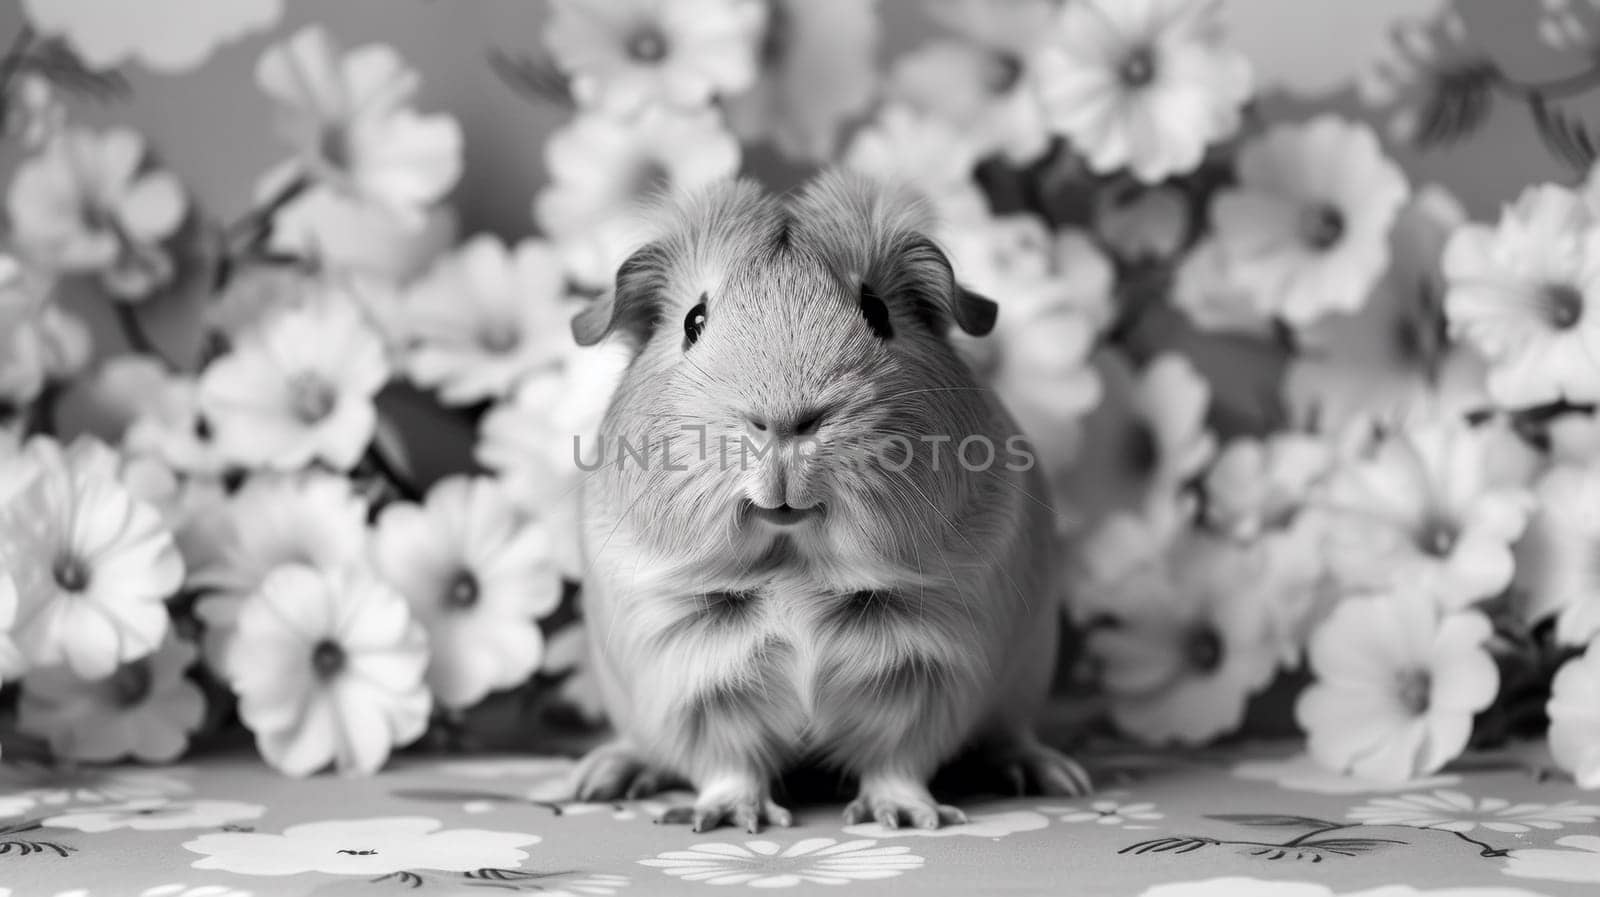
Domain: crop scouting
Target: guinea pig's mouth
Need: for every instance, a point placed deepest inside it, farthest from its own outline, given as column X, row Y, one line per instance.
column 783, row 515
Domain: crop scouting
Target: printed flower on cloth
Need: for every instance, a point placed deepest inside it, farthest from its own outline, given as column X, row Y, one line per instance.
column 296, row 389
column 146, row 709
column 1452, row 811
column 370, row 847
column 90, row 203
column 486, row 316
column 1254, row 887
column 817, row 70
column 623, row 55
column 168, row 35
column 1425, row 513
column 1306, row 229
column 477, row 575
column 75, row 785
column 1397, row 686
column 328, row 667
column 978, row 825
column 768, row 864
column 1574, row 710
column 157, row 814
column 313, row 518
column 92, row 564
column 1526, row 294
column 348, row 117
column 1109, row 812
column 1146, row 85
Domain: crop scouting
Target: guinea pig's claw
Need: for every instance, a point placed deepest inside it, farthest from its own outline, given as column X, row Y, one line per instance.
column 748, row 814
column 1039, row 769
column 892, row 814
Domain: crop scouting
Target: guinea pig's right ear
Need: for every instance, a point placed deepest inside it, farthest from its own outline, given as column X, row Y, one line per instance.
column 633, row 306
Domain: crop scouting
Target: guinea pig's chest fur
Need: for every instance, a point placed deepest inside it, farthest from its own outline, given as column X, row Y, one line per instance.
column 806, row 667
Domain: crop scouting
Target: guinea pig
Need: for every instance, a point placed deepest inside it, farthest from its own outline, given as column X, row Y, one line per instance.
column 812, row 536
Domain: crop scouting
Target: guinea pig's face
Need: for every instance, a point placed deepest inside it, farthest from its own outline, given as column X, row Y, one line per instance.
column 783, row 399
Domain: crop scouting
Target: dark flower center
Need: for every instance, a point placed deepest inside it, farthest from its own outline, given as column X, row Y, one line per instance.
column 1321, row 227
column 71, row 573
column 311, row 398
column 1138, row 68
column 96, row 217
column 647, row 44
column 130, row 684
column 462, row 591
column 1562, row 305
column 499, row 339
column 1413, row 691
column 1140, row 451
column 333, row 144
column 1437, row 537
column 1203, row 649
column 327, row 659
column 1003, row 73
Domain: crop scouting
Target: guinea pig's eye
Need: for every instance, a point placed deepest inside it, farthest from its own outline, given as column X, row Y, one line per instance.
column 876, row 313
column 694, row 323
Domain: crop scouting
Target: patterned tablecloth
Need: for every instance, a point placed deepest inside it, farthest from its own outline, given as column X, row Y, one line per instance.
column 1252, row 822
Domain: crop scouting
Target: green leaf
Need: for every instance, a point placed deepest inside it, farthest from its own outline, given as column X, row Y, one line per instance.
column 1457, row 104
column 1565, row 137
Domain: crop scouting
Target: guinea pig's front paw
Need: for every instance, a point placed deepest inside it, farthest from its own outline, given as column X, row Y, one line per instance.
column 1032, row 767
column 615, row 771
column 743, row 802
column 893, row 801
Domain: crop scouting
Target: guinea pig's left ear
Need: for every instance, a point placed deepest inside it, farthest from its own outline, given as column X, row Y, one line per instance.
column 633, row 305
column 973, row 312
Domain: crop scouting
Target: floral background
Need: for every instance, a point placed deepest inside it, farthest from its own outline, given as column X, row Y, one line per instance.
column 1300, row 313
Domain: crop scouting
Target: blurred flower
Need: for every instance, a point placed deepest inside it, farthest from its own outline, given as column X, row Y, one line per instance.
column 337, row 232
column 328, row 667
column 162, row 411
column 981, row 79
column 12, row 662
column 1397, row 686
column 1432, row 58
column 1256, row 485
column 1283, row 49
column 1557, row 566
column 1393, row 358
column 39, row 340
column 353, row 130
column 817, row 69
column 1142, row 224
column 1307, row 227
column 485, row 317
column 168, row 35
column 161, row 814
column 477, row 575
column 1424, row 512
column 1574, row 710
column 925, row 152
column 1148, row 440
column 567, row 655
column 299, row 388
column 1211, row 293
column 314, row 519
column 1526, row 294
column 1180, row 648
column 90, row 203
column 1146, row 86
column 601, row 168
column 92, row 564
column 623, row 55
column 539, row 442
column 1055, row 298
column 36, row 115
column 146, row 709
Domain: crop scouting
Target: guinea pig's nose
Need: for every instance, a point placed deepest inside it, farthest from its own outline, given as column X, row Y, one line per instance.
column 801, row 423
